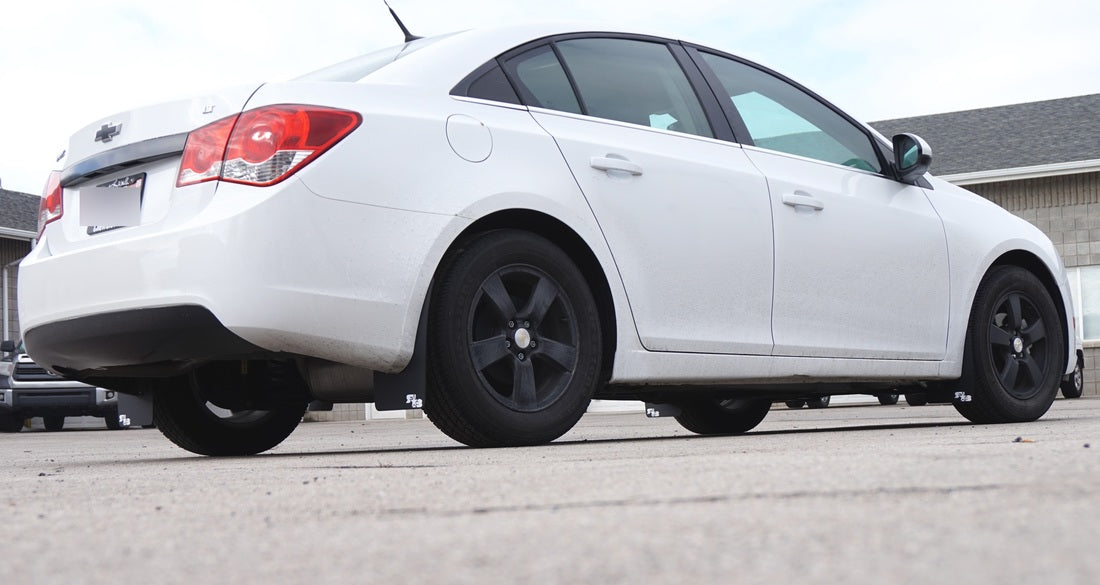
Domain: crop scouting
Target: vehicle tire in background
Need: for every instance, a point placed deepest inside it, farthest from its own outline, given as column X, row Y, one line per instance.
column 1015, row 352
column 819, row 402
column 53, row 423
column 11, row 423
column 732, row 416
column 916, row 398
column 1075, row 385
column 184, row 415
column 113, row 423
column 887, row 399
column 795, row 403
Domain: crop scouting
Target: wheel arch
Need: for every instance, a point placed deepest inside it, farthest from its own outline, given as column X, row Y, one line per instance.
column 1034, row 265
column 571, row 243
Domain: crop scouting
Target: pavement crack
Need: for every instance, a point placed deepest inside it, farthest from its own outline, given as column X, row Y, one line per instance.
column 679, row 501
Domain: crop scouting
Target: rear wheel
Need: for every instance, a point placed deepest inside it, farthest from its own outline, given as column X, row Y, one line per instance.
column 916, row 399
column 184, row 414
column 795, row 403
column 732, row 416
column 819, row 402
column 11, row 423
column 1015, row 352
column 887, row 399
column 53, row 423
column 513, row 342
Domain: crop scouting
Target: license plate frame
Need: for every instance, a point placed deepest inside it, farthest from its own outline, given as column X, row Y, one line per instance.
column 112, row 205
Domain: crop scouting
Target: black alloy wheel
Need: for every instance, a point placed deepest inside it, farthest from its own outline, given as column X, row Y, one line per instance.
column 514, row 342
column 1015, row 351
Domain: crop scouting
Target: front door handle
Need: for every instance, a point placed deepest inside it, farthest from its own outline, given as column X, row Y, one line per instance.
column 798, row 200
column 606, row 163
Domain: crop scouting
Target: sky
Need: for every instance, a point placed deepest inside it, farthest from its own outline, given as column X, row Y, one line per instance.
column 64, row 64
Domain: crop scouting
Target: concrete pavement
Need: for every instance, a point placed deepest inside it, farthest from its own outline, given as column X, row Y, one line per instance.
column 866, row 494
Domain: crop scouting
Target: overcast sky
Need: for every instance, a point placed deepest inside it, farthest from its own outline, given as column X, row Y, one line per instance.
column 64, row 64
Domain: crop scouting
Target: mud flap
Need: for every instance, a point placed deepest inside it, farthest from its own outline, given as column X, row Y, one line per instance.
column 137, row 409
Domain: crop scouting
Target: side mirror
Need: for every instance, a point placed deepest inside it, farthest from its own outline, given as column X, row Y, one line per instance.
column 7, row 346
column 912, row 157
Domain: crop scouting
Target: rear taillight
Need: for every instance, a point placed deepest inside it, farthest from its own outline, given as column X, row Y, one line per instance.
column 262, row 146
column 49, row 207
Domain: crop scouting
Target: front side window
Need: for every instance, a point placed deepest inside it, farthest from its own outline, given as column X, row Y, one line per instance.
column 782, row 117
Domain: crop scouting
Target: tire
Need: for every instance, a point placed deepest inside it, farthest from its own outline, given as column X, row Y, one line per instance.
column 11, row 423
column 514, row 342
column 53, row 423
column 1075, row 385
column 795, row 403
column 916, row 399
column 184, row 416
column 819, row 402
column 723, row 417
column 887, row 399
column 113, row 423
column 1015, row 353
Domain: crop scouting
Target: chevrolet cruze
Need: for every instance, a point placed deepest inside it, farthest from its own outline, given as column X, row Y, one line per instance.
column 500, row 225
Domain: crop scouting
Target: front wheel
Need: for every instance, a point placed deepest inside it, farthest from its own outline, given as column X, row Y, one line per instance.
column 732, row 416
column 185, row 417
column 514, row 342
column 1015, row 351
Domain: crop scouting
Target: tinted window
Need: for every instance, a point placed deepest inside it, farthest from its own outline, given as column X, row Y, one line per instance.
column 542, row 81
column 633, row 81
column 492, row 85
column 779, row 116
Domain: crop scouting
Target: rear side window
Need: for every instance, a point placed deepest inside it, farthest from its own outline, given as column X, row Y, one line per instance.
column 634, row 81
column 780, row 116
column 628, row 80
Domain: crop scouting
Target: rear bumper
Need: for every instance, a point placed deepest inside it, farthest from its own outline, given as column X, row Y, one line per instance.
column 277, row 269
column 64, row 401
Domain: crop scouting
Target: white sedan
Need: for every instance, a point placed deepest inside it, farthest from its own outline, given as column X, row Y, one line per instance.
column 500, row 225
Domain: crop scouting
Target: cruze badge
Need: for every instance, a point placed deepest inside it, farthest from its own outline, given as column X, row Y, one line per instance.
column 107, row 132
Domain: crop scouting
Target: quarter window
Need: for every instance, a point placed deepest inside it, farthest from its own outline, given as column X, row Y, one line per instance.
column 542, row 80
column 781, row 117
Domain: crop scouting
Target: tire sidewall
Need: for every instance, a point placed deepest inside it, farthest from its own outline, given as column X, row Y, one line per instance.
column 449, row 339
column 997, row 403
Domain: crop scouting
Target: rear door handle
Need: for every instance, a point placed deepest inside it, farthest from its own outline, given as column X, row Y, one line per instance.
column 603, row 163
column 797, row 200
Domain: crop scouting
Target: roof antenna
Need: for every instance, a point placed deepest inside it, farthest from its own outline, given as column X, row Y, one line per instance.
column 409, row 37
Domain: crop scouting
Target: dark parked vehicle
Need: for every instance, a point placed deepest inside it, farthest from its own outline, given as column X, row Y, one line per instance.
column 28, row 390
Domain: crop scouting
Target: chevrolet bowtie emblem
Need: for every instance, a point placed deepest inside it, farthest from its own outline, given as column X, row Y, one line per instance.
column 107, row 132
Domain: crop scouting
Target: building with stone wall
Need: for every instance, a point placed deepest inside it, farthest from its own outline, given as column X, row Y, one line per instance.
column 18, row 229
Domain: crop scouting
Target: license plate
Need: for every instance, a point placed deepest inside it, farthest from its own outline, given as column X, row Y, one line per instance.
column 112, row 205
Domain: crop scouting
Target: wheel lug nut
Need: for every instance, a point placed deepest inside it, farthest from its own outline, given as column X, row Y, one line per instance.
column 532, row 345
column 511, row 324
column 507, row 343
column 526, row 323
column 520, row 356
